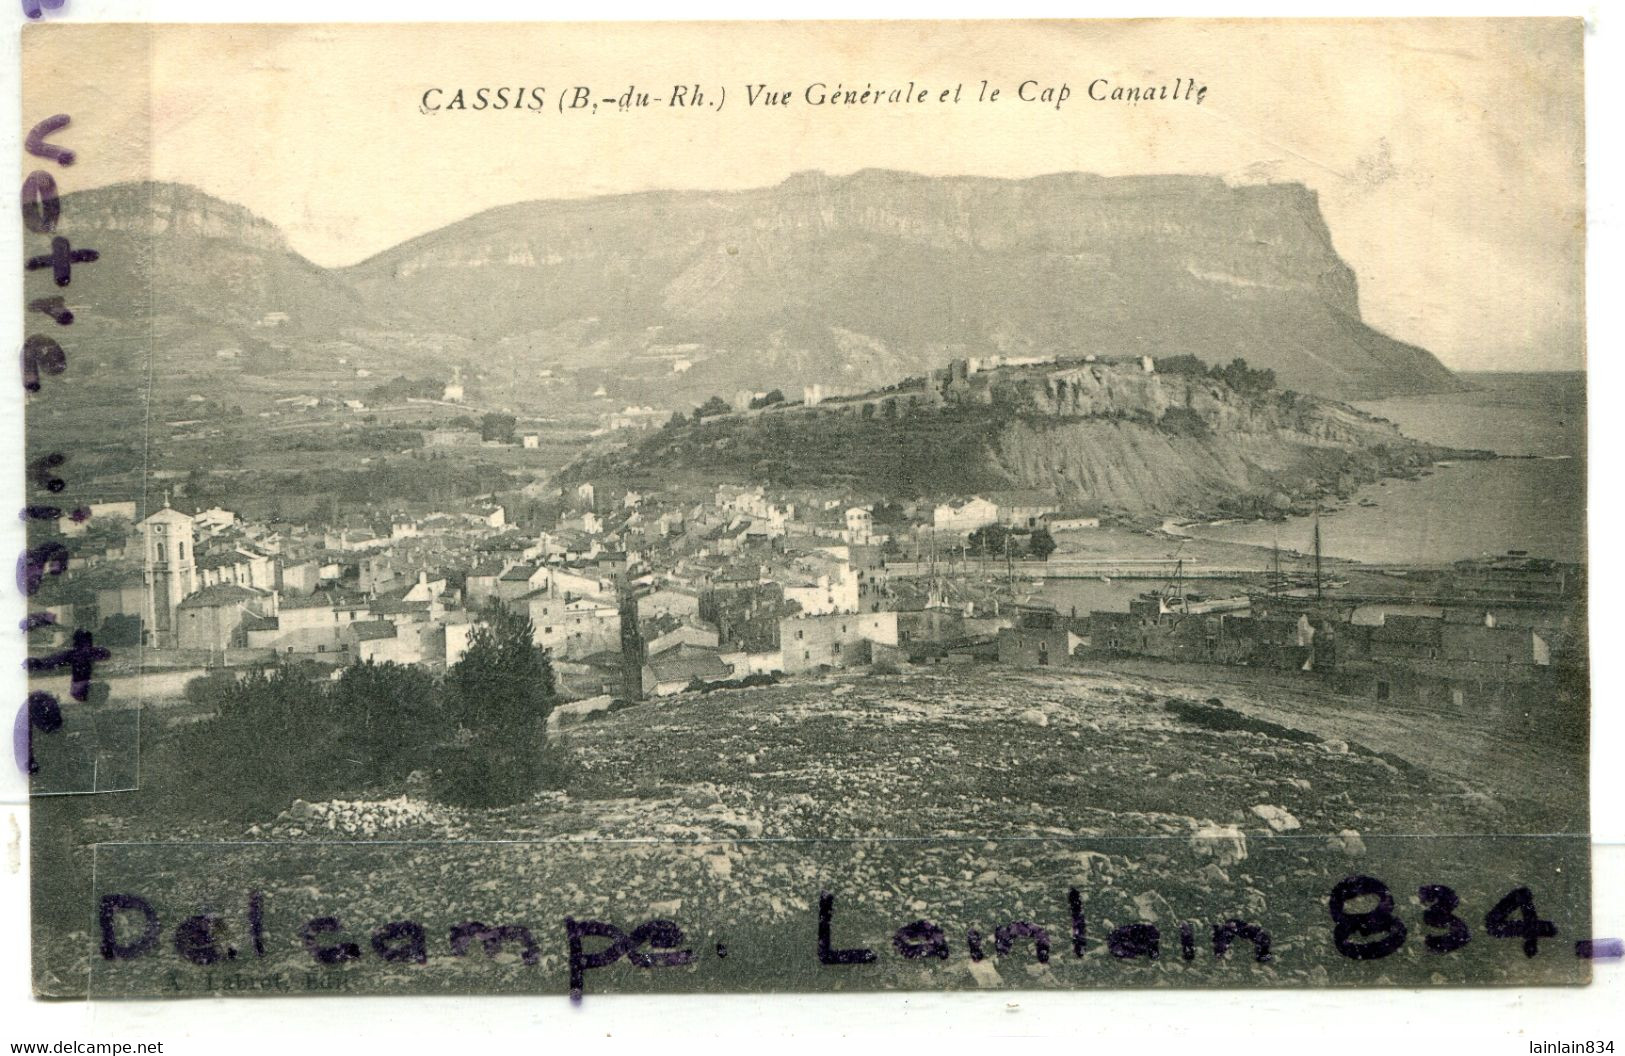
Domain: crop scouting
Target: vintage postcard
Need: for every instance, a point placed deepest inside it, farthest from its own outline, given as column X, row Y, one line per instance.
column 705, row 507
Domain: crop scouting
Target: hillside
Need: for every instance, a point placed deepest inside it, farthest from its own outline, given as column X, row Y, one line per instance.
column 195, row 296
column 968, row 796
column 171, row 252
column 1105, row 436
column 182, row 275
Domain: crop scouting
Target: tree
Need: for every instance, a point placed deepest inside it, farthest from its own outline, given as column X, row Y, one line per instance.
column 1242, row 378
column 498, row 427
column 989, row 539
column 889, row 514
column 275, row 739
column 500, row 693
column 391, row 716
column 503, row 678
column 711, row 408
column 1041, row 544
column 1184, row 364
column 197, row 485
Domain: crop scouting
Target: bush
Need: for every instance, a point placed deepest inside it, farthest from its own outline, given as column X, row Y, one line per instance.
column 1187, row 365
column 1243, row 378
column 1215, row 716
column 273, row 741
column 697, row 685
column 210, row 689
column 990, row 539
column 285, row 734
column 711, row 408
column 559, row 766
column 1182, row 421
column 119, row 630
column 498, row 427
column 485, row 775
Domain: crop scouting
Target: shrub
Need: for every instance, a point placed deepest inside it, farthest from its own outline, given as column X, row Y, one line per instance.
column 119, row 630
column 1182, row 421
column 1242, row 378
column 1188, row 365
column 711, row 408
column 487, row 774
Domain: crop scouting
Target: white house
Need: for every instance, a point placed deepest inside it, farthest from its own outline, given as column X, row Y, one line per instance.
column 238, row 567
column 838, row 593
column 860, row 524
column 572, row 629
column 213, row 520
column 834, row 640
column 965, row 515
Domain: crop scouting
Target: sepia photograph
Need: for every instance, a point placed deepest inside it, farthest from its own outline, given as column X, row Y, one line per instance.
column 597, row 508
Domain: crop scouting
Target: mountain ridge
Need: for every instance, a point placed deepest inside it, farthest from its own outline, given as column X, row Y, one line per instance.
column 848, row 281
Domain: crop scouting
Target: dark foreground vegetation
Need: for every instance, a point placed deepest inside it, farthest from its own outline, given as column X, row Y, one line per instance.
column 476, row 737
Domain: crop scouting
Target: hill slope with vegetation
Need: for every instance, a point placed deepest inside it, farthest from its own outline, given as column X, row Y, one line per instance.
column 1108, row 437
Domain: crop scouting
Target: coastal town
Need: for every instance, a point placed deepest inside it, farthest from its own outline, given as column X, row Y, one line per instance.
column 677, row 546
column 754, row 627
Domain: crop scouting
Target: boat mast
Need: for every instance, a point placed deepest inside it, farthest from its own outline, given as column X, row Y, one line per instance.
column 1318, row 593
column 1173, row 592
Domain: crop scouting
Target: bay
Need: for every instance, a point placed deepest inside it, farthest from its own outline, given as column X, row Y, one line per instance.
column 1534, row 501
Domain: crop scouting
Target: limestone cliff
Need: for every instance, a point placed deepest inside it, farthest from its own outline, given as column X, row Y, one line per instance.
column 1132, row 441
column 1110, row 437
column 180, row 265
column 860, row 280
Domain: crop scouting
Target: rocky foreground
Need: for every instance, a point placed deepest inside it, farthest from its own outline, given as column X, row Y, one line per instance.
column 964, row 800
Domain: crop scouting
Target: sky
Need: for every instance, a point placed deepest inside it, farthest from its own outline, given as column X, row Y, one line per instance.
column 1448, row 155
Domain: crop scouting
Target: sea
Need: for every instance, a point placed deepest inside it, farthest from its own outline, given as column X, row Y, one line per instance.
column 1534, row 502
